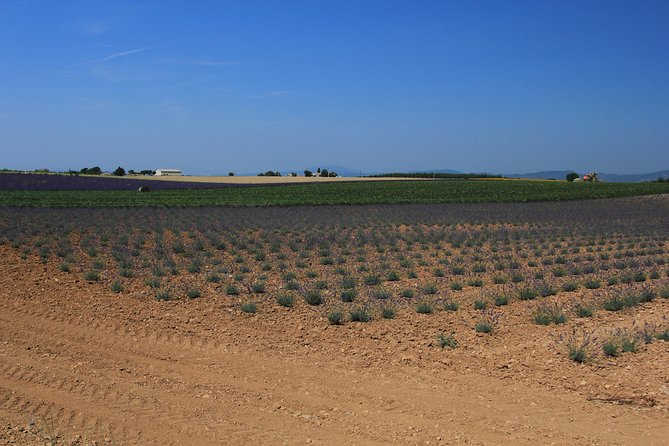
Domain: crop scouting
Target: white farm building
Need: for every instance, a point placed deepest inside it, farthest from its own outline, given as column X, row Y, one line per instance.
column 166, row 172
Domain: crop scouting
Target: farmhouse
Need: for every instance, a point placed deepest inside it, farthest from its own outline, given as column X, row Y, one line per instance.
column 165, row 172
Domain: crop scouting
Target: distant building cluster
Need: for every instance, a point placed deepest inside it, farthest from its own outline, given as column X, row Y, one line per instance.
column 168, row 172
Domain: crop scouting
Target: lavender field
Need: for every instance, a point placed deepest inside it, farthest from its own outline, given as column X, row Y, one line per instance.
column 49, row 182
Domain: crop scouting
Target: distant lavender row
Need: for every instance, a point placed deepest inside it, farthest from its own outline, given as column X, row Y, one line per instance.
column 30, row 182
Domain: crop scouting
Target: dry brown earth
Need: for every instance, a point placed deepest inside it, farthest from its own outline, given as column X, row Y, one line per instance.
column 125, row 369
column 262, row 179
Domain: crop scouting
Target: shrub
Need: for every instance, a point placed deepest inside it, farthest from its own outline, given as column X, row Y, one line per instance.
column 570, row 287
column 547, row 290
column 195, row 266
column 457, row 270
column 388, row 312
column 248, row 307
column 321, row 285
column 393, row 276
column 579, row 345
column 381, row 294
column 577, row 353
column 456, row 286
column 629, row 344
column 541, row 318
column 348, row 283
column 446, row 341
column 163, row 295
column 501, row 300
column 258, row 288
column 348, row 295
column 559, row 272
column 292, row 285
column 359, row 315
column 545, row 314
column 409, row 294
column 313, row 297
column 116, row 287
column 592, row 284
column 153, row 282
column 610, row 348
column 475, row 282
column 664, row 293
column 500, row 280
column 488, row 321
column 449, row 305
column 193, row 293
column 479, row 304
column 285, row 300
column 335, row 317
column 479, row 268
column 483, row 327
column 620, row 302
column 91, row 276
column 622, row 340
column 287, row 277
column 372, row 280
column 582, row 310
column 528, row 294
column 231, row 290
column 424, row 308
column 647, row 296
column 430, row 289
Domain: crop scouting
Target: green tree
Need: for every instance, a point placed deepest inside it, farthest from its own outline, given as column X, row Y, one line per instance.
column 572, row 176
column 119, row 172
column 91, row 170
column 308, row 173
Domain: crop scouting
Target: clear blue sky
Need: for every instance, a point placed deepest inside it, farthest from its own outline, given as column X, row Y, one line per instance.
column 208, row 87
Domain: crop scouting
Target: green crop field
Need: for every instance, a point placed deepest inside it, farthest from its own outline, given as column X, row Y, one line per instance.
column 463, row 191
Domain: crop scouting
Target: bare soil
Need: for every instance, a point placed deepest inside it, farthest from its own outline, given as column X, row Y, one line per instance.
column 82, row 365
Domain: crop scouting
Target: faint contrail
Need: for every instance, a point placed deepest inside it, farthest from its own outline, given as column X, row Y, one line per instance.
column 125, row 53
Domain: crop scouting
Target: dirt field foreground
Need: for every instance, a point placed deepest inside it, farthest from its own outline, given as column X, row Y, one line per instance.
column 113, row 368
column 80, row 364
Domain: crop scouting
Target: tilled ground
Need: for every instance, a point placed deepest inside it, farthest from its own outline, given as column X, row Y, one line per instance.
column 83, row 365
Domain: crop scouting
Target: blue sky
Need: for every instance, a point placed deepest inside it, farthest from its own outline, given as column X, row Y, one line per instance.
column 248, row 86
